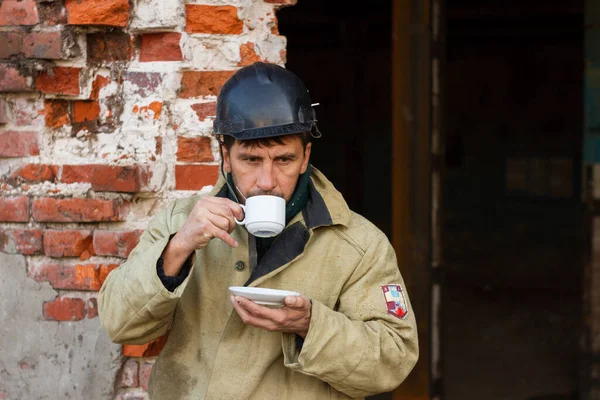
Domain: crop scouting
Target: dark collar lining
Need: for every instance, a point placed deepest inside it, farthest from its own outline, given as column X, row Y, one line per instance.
column 315, row 213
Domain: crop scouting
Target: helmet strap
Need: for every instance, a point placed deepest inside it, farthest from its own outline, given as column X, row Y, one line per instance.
column 315, row 132
column 233, row 193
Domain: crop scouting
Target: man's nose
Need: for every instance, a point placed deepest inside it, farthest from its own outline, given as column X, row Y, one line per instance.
column 266, row 180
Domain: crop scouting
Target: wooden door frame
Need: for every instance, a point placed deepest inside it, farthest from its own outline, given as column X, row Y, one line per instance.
column 417, row 55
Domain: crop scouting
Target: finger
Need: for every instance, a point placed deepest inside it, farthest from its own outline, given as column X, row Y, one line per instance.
column 297, row 302
column 232, row 205
column 219, row 233
column 225, row 212
column 246, row 316
column 219, row 221
column 216, row 208
column 258, row 310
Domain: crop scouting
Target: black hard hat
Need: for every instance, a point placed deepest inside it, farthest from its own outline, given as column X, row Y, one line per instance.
column 264, row 100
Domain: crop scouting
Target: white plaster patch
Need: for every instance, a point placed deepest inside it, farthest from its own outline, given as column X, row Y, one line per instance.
column 146, row 115
column 210, row 53
column 158, row 179
column 236, row 3
column 157, row 15
column 121, row 148
column 118, row 148
column 187, row 120
column 69, row 150
column 49, row 189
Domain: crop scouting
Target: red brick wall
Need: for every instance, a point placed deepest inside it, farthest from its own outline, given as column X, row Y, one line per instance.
column 105, row 112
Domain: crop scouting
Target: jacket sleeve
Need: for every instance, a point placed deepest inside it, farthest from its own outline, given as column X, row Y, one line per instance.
column 360, row 349
column 133, row 305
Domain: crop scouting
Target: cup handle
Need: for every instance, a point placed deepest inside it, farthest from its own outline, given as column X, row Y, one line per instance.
column 243, row 221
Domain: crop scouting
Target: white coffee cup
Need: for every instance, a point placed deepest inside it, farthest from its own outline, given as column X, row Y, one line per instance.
column 264, row 215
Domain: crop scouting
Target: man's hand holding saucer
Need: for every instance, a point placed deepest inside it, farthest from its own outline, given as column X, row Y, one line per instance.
column 293, row 317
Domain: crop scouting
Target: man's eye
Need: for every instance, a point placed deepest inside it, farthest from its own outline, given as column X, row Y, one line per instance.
column 253, row 159
column 285, row 160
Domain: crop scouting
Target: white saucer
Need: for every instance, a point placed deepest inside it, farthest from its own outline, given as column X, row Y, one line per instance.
column 263, row 296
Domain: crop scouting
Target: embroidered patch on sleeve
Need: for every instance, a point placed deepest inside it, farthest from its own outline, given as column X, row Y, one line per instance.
column 395, row 300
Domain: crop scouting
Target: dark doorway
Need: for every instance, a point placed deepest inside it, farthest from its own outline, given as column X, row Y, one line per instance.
column 342, row 52
column 512, row 289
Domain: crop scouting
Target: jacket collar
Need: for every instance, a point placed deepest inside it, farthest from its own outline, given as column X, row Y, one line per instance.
column 325, row 207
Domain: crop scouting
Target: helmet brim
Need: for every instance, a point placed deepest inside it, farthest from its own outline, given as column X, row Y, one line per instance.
column 270, row 131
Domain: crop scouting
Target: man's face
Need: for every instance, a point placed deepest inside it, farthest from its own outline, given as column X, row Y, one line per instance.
column 270, row 170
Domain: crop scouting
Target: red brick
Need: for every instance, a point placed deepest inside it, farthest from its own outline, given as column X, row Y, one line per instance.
column 14, row 209
column 11, row 80
column 195, row 177
column 22, row 241
column 151, row 349
column 145, row 370
column 110, row 178
column 18, row 12
column 109, row 46
column 204, row 110
column 212, row 19
column 203, row 83
column 43, row 45
column 52, row 13
column 19, row 143
column 117, row 244
column 248, row 54
column 78, row 210
column 128, row 375
column 35, row 173
column 86, row 110
column 195, row 149
column 58, row 243
column 64, row 309
column 57, row 113
column 98, row 12
column 85, row 115
column 12, row 44
column 61, row 80
column 72, row 277
column 161, row 47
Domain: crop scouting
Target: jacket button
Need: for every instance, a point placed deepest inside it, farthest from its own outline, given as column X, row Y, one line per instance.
column 240, row 265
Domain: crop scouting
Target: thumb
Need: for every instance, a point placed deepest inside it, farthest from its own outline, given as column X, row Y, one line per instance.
column 295, row 302
column 291, row 301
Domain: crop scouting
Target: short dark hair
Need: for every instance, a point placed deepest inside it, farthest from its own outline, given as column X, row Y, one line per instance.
column 228, row 140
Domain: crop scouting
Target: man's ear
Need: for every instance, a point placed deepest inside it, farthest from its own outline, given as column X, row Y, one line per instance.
column 226, row 158
column 306, row 158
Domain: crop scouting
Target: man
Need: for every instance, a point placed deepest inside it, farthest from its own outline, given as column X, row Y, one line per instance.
column 352, row 331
